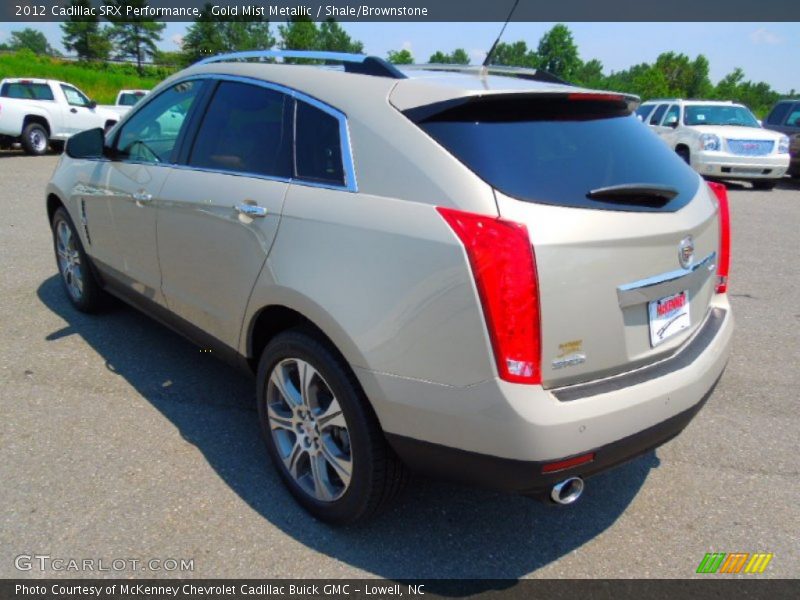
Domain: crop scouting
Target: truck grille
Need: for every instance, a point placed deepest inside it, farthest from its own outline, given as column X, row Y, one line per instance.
column 750, row 147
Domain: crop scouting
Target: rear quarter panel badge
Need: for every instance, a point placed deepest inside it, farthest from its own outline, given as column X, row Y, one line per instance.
column 569, row 354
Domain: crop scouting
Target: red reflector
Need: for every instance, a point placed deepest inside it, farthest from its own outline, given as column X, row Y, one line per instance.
column 724, row 215
column 504, row 268
column 566, row 464
column 597, row 97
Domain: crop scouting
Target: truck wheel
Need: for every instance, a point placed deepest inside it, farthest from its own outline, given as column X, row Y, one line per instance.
column 34, row 139
column 321, row 433
column 764, row 184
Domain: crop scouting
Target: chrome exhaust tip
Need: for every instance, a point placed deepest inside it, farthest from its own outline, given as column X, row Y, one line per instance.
column 568, row 491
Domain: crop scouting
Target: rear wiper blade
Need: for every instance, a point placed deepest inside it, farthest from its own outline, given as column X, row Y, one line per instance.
column 634, row 193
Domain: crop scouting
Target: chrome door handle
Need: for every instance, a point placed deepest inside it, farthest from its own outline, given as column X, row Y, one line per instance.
column 251, row 210
column 142, row 196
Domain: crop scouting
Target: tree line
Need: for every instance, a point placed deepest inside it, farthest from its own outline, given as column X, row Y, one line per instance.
column 671, row 75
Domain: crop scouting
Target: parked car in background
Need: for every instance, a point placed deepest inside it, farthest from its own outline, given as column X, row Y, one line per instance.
column 785, row 118
column 436, row 270
column 130, row 97
column 126, row 99
column 42, row 112
column 719, row 139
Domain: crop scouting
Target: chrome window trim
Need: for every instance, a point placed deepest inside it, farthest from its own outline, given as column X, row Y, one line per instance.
column 653, row 288
column 350, row 181
column 348, row 167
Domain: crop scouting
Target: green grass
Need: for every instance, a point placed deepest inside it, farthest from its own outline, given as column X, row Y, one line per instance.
column 99, row 81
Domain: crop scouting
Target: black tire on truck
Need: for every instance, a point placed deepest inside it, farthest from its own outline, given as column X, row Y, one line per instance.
column 35, row 139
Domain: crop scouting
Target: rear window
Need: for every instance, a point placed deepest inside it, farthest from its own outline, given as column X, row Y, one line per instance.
column 130, row 99
column 556, row 151
column 27, row 91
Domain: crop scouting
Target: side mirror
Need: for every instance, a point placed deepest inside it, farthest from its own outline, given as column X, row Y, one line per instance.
column 92, row 104
column 86, row 144
column 673, row 124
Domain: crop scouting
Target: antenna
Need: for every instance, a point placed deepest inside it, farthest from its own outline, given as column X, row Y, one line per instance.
column 489, row 54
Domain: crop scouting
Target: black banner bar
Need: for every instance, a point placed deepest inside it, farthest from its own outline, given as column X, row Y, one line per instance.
column 433, row 10
column 711, row 587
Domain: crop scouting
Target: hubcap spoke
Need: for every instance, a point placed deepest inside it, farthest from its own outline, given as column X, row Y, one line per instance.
column 332, row 416
column 278, row 421
column 319, row 476
column 293, row 458
column 341, row 464
column 281, row 382
column 306, row 373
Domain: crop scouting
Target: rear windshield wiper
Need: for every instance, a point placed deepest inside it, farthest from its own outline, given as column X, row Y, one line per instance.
column 648, row 194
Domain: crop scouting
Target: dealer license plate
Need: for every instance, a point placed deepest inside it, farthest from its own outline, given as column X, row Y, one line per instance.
column 668, row 316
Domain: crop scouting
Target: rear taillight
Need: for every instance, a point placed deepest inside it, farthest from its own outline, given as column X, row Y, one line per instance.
column 504, row 268
column 724, row 215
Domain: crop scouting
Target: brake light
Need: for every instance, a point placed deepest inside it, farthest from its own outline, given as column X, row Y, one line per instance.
column 724, row 215
column 596, row 97
column 504, row 267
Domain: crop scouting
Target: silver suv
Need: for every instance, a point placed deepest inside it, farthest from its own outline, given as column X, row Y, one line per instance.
column 493, row 277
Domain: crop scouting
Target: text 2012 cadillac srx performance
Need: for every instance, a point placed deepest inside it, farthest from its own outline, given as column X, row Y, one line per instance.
column 491, row 276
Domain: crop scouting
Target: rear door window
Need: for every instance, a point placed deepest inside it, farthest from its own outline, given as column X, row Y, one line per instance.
column 245, row 130
column 27, row 91
column 556, row 151
column 318, row 146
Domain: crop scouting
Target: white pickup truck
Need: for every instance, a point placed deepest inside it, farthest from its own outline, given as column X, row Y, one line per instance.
column 42, row 112
column 126, row 100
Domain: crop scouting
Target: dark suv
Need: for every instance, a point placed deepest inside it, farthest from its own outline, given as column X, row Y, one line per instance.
column 785, row 117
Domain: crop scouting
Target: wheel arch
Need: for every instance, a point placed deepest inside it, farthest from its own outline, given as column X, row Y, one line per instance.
column 284, row 313
column 40, row 119
column 54, row 202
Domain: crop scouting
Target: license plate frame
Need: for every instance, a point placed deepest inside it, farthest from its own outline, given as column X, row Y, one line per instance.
column 667, row 316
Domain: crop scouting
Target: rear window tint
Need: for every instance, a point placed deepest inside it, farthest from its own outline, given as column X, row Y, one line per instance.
column 318, row 153
column 27, row 91
column 557, row 151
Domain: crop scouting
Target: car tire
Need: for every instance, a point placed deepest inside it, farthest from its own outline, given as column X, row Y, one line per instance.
column 684, row 154
column 35, row 139
column 325, row 441
column 74, row 268
column 764, row 184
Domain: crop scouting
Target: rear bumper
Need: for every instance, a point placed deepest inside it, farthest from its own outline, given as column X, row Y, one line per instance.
column 526, row 477
column 732, row 166
column 500, row 434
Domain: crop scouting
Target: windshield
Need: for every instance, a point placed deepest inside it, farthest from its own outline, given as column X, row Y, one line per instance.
column 556, row 151
column 719, row 114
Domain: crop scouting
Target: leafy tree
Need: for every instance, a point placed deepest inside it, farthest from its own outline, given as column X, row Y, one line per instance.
column 590, row 74
column 83, row 35
column 459, row 56
column 514, row 55
column 558, row 54
column 299, row 33
column 134, row 37
column 400, row 57
column 211, row 34
column 33, row 40
column 333, row 38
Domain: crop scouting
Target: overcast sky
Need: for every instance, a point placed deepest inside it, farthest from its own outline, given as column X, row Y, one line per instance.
column 766, row 51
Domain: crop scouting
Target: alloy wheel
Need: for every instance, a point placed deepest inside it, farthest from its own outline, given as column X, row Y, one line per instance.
column 69, row 260
column 309, row 430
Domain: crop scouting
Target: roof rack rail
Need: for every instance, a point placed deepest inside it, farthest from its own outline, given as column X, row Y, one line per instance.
column 353, row 63
column 521, row 72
